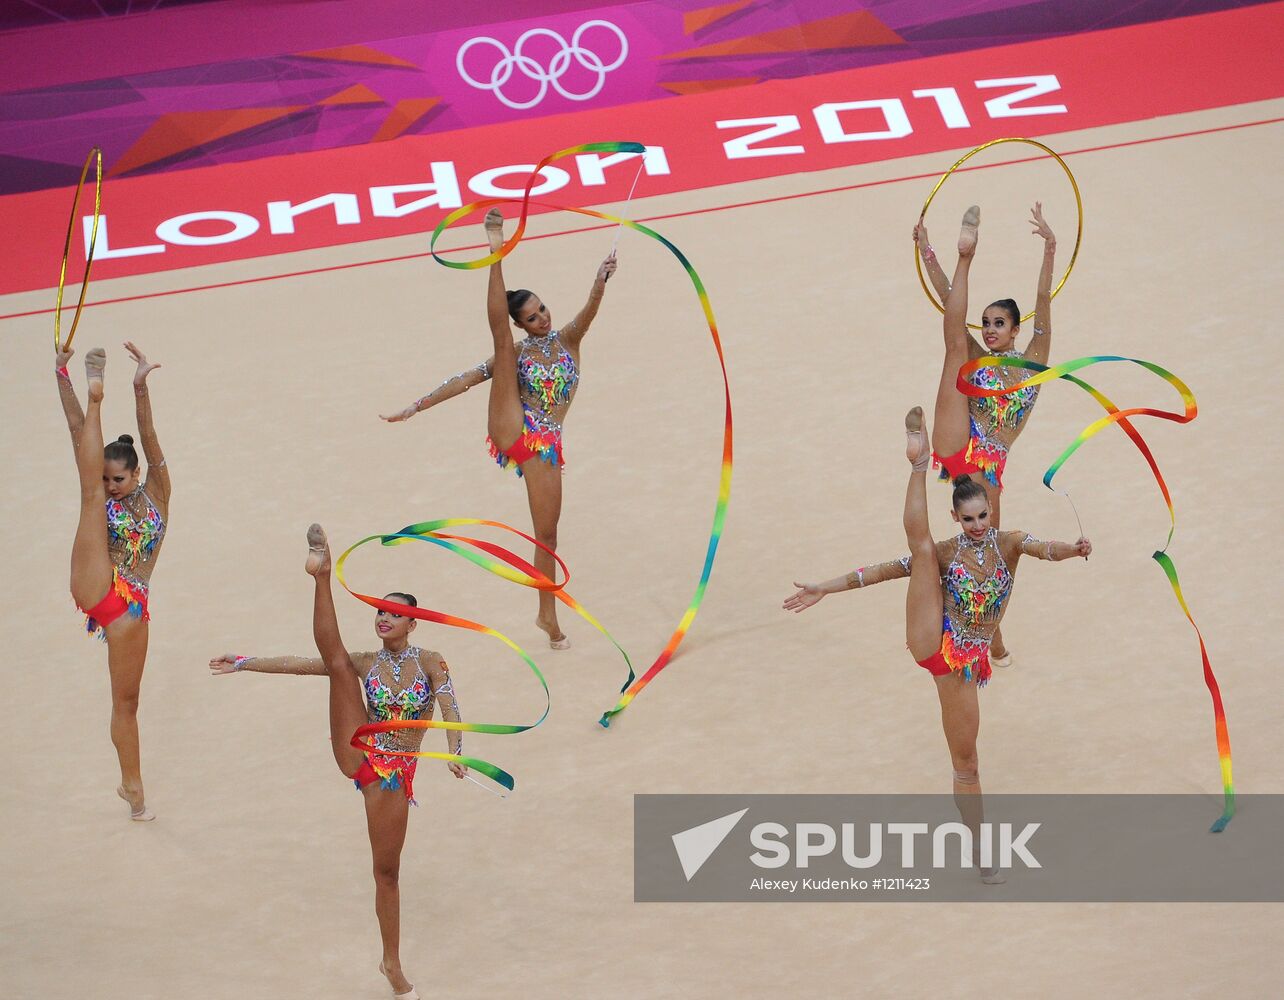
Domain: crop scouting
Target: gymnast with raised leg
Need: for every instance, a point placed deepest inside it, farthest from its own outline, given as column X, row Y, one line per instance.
column 532, row 385
column 973, row 434
column 113, row 557
column 958, row 593
column 400, row 681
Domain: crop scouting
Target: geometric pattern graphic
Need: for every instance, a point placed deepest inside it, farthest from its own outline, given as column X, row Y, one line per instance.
column 845, row 31
column 209, row 94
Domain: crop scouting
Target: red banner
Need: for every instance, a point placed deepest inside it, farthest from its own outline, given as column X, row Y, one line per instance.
column 325, row 198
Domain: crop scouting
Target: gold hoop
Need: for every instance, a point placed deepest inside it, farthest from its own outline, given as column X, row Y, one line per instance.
column 1078, row 236
column 94, row 154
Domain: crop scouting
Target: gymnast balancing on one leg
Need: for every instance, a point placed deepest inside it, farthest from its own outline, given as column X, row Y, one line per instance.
column 532, row 386
column 973, row 434
column 958, row 593
column 400, row 681
column 112, row 557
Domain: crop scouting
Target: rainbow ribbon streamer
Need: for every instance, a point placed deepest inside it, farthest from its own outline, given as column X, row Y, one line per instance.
column 494, row 559
column 1114, row 415
column 633, row 689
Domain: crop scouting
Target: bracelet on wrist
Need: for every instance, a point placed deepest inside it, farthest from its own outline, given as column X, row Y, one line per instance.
column 63, row 373
column 240, row 662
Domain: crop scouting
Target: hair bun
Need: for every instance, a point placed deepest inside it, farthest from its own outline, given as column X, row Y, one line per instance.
column 960, row 480
column 125, row 439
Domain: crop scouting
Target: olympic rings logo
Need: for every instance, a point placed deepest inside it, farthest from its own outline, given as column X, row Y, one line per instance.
column 532, row 69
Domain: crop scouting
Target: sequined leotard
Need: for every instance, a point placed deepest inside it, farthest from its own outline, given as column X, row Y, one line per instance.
column 392, row 696
column 135, row 530
column 976, row 583
column 547, row 377
column 994, row 422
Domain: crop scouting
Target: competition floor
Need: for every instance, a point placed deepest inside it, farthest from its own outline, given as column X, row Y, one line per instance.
column 254, row 880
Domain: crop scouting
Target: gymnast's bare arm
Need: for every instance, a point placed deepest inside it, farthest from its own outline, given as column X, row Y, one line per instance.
column 1018, row 543
column 575, row 330
column 158, row 485
column 67, row 393
column 454, row 386
column 230, row 663
column 809, row 594
column 1041, row 343
column 935, row 273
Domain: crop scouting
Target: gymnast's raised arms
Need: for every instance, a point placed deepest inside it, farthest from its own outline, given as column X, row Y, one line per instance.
column 1041, row 343
column 157, row 484
column 67, row 393
column 935, row 273
column 575, row 330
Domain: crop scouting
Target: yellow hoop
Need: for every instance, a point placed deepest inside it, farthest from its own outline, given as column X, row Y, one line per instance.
column 1078, row 236
column 94, row 154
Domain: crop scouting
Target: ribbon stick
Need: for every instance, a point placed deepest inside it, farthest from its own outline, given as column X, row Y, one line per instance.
column 95, row 155
column 1114, row 414
column 628, row 201
column 633, row 689
column 501, row 562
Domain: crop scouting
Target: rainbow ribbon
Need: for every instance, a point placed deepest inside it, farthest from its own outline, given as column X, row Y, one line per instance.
column 633, row 689
column 1114, row 415
column 495, row 559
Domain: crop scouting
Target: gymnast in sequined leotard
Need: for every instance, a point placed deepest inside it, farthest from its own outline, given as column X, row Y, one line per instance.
column 113, row 556
column 973, row 434
column 397, row 681
column 532, row 385
column 958, row 592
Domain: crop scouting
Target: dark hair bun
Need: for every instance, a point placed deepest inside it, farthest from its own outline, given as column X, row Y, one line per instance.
column 125, row 439
column 960, row 480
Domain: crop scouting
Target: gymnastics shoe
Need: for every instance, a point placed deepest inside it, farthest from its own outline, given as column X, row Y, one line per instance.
column 921, row 458
column 143, row 815
column 968, row 233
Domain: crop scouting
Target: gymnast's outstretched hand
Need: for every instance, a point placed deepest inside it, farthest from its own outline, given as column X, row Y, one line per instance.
column 401, row 415
column 225, row 664
column 808, row 594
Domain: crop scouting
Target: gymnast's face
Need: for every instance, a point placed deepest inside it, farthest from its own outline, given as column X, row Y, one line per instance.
column 973, row 517
column 392, row 627
column 118, row 481
column 534, row 318
column 997, row 329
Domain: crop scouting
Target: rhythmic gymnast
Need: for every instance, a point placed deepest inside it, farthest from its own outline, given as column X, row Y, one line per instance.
column 400, row 681
column 113, row 557
column 958, row 593
column 974, row 433
column 532, row 384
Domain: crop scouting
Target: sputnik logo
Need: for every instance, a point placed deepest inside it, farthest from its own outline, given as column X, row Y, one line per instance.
column 696, row 845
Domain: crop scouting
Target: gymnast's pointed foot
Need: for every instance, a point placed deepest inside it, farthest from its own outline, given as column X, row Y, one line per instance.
column 557, row 639
column 968, row 234
column 402, row 988
column 95, row 365
column 138, row 810
column 993, row 876
column 917, row 448
column 318, row 552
